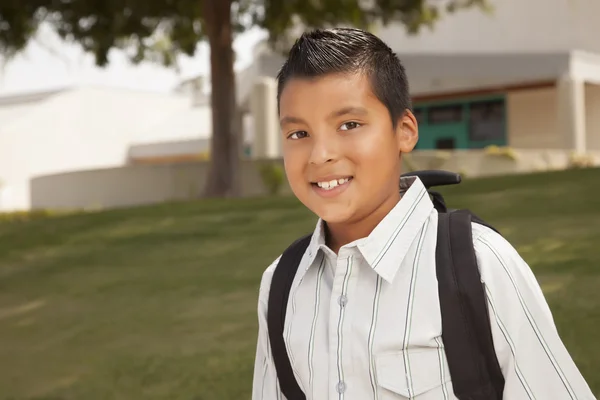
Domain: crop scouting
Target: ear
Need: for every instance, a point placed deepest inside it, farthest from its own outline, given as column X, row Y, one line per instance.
column 407, row 132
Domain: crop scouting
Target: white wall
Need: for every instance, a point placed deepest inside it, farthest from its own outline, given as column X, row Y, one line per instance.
column 584, row 17
column 532, row 121
column 10, row 113
column 514, row 26
column 263, row 105
column 585, row 66
column 74, row 130
column 592, row 108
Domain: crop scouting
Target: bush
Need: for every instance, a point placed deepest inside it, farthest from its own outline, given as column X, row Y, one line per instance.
column 273, row 176
column 506, row 152
column 581, row 160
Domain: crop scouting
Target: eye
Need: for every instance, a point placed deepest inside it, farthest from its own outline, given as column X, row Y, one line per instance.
column 347, row 126
column 297, row 135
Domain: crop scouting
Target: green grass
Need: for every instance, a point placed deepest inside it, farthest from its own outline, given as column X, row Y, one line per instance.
column 160, row 302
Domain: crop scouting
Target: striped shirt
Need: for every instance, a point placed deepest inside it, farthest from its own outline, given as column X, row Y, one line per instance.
column 366, row 323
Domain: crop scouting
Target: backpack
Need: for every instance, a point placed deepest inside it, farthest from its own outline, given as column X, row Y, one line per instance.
column 466, row 331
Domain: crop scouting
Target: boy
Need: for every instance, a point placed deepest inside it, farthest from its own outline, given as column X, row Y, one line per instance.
column 364, row 320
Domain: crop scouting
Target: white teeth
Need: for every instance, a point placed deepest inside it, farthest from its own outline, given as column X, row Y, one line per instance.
column 332, row 184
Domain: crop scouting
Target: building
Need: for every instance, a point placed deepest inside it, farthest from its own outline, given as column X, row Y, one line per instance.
column 531, row 101
column 525, row 76
column 89, row 128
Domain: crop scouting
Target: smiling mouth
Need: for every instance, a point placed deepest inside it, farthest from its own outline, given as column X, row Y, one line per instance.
column 332, row 184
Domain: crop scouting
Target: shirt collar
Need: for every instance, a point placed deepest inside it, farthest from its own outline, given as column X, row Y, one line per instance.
column 385, row 248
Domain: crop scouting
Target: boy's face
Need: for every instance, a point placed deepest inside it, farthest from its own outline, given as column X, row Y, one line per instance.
column 341, row 151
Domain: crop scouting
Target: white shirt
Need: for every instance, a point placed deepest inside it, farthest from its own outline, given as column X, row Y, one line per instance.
column 366, row 324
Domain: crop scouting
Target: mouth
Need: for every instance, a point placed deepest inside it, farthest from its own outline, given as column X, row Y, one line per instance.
column 331, row 185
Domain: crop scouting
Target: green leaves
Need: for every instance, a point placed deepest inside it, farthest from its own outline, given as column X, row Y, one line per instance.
column 159, row 30
column 18, row 22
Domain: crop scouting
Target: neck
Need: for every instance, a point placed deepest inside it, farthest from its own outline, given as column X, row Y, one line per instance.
column 338, row 235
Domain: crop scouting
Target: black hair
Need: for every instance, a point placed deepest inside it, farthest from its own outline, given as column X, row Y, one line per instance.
column 347, row 50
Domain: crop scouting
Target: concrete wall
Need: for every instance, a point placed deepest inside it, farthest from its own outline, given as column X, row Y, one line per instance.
column 151, row 151
column 585, row 28
column 265, row 118
column 532, row 119
column 514, row 26
column 131, row 185
column 533, row 123
column 480, row 163
column 592, row 108
column 145, row 184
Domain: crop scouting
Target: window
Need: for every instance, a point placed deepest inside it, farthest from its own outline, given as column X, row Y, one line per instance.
column 445, row 114
column 486, row 122
column 445, row 144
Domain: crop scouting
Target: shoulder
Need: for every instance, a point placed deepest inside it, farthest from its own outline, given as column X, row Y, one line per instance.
column 301, row 244
column 265, row 281
column 503, row 270
column 499, row 261
column 495, row 254
column 267, row 275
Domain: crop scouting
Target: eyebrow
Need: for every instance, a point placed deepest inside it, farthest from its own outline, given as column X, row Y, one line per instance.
column 348, row 110
column 291, row 120
column 337, row 113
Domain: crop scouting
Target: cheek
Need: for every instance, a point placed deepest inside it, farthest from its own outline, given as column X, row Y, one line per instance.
column 377, row 155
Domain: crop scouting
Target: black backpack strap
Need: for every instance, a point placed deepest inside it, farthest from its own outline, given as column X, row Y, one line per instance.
column 466, row 331
column 279, row 293
column 438, row 201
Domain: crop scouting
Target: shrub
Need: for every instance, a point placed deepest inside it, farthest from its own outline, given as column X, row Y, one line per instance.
column 273, row 176
column 507, row 152
column 580, row 160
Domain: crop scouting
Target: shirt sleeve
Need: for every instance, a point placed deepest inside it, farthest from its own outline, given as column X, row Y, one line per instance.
column 532, row 356
column 265, row 385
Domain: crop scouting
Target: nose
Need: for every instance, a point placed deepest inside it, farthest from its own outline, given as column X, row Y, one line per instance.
column 325, row 150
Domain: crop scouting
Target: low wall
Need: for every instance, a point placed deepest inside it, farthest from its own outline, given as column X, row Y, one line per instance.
column 147, row 184
column 491, row 162
column 131, row 185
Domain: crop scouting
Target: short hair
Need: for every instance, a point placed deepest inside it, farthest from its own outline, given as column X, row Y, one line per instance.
column 348, row 50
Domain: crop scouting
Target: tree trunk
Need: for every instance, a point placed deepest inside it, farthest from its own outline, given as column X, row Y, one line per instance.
column 223, row 172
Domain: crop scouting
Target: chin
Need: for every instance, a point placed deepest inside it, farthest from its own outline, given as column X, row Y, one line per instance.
column 333, row 211
column 333, row 214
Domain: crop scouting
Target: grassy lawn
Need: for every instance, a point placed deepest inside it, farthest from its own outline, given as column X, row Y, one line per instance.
column 160, row 302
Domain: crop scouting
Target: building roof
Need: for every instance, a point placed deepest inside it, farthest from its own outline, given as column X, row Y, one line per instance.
column 431, row 73
column 27, row 98
column 16, row 106
column 438, row 72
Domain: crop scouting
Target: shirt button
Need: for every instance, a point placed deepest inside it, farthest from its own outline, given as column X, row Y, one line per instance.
column 342, row 300
column 341, row 387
